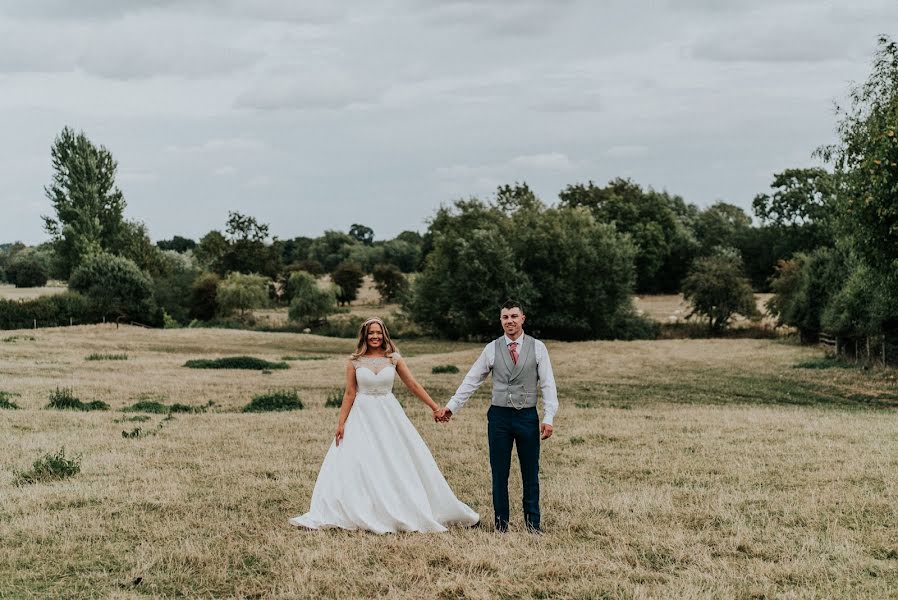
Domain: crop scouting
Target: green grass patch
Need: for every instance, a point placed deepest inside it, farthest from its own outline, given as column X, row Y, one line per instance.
column 50, row 467
column 235, row 362
column 334, row 398
column 160, row 408
column 444, row 369
column 64, row 399
column 304, row 357
column 275, row 401
column 5, row 401
column 96, row 356
column 18, row 338
column 825, row 362
column 718, row 388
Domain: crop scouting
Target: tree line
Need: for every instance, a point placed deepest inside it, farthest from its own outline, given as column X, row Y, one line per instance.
column 824, row 241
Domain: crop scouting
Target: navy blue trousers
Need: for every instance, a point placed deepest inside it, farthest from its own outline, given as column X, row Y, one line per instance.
column 506, row 427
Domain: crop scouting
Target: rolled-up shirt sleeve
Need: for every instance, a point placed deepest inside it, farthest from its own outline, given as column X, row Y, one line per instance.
column 473, row 380
column 546, row 383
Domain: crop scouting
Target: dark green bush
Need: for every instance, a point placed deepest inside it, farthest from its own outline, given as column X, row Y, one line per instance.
column 444, row 369
column 26, row 271
column 97, row 356
column 334, row 398
column 235, row 362
column 50, row 467
column 64, row 399
column 147, row 406
column 117, row 288
column 5, row 401
column 275, row 401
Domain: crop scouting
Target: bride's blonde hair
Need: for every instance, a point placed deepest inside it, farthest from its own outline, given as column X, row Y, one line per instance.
column 362, row 347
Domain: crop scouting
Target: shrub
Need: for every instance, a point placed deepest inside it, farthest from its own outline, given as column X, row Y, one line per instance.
column 26, row 270
column 64, row 399
column 116, row 287
column 444, row 369
column 203, row 297
column 157, row 407
column 96, row 356
column 334, row 398
column 235, row 362
column 50, row 467
column 390, row 283
column 275, row 401
column 147, row 406
column 52, row 310
column 5, row 401
column 241, row 292
column 718, row 291
column 803, row 288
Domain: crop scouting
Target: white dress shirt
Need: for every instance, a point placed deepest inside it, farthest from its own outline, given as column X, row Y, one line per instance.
column 484, row 364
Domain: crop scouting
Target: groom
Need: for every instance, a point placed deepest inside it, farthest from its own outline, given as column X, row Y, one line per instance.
column 520, row 366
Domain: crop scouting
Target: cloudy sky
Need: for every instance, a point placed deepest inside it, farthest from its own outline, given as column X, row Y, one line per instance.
column 316, row 115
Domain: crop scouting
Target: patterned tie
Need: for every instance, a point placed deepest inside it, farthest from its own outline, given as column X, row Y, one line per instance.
column 513, row 348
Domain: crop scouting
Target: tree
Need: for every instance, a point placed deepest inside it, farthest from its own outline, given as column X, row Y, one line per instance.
column 296, row 250
column 211, row 250
column 239, row 291
column 27, row 270
column 721, row 225
column 247, row 251
column 866, row 163
column 362, row 234
column 89, row 206
column 173, row 285
column 653, row 220
column 717, row 290
column 178, row 244
column 800, row 208
column 116, row 287
column 308, row 302
column 466, row 279
column 348, row 277
column 389, row 282
column 331, row 249
column 405, row 255
column 803, row 288
column 204, row 296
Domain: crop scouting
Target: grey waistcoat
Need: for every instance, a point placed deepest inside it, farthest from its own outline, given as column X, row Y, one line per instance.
column 515, row 385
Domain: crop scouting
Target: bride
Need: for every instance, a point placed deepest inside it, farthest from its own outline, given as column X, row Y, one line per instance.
column 378, row 474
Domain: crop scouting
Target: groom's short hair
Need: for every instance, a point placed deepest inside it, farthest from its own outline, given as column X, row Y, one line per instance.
column 509, row 304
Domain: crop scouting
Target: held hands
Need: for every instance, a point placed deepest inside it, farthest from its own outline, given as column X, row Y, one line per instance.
column 545, row 431
column 442, row 415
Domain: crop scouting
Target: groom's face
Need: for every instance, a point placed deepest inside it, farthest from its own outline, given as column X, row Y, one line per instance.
column 512, row 320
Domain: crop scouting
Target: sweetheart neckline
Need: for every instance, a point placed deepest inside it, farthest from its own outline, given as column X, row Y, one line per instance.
column 375, row 373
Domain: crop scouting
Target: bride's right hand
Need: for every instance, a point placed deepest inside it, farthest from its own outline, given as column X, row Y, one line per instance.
column 339, row 435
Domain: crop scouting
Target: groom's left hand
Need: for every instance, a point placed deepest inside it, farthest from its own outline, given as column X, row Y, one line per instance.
column 545, row 431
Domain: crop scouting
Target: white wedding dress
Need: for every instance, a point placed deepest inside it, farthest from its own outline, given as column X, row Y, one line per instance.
column 382, row 477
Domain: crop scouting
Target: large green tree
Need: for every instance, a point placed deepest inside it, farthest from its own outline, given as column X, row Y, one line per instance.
column 88, row 205
column 655, row 222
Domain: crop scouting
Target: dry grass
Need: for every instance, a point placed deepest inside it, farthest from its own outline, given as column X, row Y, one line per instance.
column 682, row 468
column 11, row 292
column 672, row 308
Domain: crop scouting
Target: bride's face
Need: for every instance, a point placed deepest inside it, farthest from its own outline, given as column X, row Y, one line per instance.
column 375, row 336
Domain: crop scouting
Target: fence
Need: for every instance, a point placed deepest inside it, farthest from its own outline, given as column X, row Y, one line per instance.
column 882, row 349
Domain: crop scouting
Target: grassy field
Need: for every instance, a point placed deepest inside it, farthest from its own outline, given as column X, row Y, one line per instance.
column 679, row 468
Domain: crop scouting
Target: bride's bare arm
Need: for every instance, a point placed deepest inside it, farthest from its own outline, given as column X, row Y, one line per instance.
column 414, row 387
column 349, row 393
